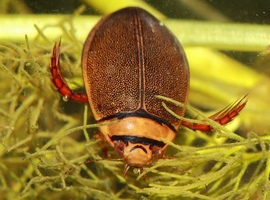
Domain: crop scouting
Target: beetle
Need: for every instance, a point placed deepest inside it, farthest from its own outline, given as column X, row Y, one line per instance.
column 128, row 58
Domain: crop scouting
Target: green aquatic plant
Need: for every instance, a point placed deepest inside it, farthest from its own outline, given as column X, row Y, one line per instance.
column 48, row 146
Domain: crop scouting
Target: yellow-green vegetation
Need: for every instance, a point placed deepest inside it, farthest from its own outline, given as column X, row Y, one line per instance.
column 47, row 146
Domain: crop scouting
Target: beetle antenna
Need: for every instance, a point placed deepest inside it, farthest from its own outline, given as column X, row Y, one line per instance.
column 180, row 169
column 189, row 173
column 93, row 161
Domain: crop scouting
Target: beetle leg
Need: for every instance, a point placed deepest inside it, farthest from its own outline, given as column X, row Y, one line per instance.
column 222, row 117
column 58, row 80
column 102, row 144
column 126, row 168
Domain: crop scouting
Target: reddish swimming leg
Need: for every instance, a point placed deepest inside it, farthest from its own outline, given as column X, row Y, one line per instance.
column 58, row 80
column 102, row 144
column 222, row 117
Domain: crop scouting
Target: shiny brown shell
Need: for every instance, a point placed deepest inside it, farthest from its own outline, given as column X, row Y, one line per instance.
column 128, row 58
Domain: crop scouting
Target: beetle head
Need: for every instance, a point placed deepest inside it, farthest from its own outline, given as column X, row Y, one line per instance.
column 136, row 155
column 137, row 139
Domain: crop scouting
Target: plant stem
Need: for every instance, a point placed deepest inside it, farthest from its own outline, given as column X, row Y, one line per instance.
column 222, row 36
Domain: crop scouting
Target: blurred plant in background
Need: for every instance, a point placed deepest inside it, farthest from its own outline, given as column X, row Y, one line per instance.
column 44, row 140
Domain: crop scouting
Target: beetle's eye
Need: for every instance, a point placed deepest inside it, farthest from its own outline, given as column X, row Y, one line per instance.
column 156, row 153
column 119, row 147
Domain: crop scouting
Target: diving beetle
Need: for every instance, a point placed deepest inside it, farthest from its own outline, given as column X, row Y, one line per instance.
column 128, row 58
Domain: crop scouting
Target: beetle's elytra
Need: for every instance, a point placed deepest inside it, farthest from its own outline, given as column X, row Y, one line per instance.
column 128, row 58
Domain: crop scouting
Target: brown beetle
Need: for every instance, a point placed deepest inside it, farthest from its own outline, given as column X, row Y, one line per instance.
column 128, row 58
